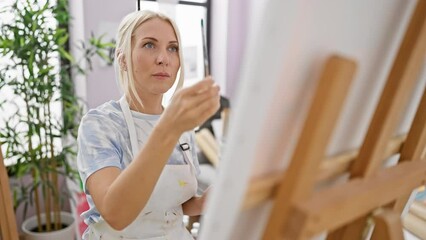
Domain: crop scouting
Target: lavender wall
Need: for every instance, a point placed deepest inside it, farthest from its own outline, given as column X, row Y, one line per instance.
column 102, row 17
column 98, row 17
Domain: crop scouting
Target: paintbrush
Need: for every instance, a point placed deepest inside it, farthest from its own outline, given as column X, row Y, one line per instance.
column 205, row 51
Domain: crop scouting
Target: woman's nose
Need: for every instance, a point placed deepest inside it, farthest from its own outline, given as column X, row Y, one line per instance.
column 162, row 58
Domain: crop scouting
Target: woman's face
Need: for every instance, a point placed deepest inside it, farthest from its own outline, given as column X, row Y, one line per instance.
column 155, row 57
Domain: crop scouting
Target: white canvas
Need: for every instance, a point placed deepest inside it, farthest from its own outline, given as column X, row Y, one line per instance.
column 282, row 63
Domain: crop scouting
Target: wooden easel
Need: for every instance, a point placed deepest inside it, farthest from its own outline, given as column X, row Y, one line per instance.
column 207, row 142
column 300, row 212
column 8, row 230
column 208, row 145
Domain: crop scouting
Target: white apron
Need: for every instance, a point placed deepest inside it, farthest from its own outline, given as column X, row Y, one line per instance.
column 162, row 217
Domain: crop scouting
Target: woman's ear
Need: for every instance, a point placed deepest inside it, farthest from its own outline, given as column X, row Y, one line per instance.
column 121, row 60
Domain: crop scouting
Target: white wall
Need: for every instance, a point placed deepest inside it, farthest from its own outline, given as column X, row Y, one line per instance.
column 219, row 43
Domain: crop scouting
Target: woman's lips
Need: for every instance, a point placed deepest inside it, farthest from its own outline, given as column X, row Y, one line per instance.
column 161, row 75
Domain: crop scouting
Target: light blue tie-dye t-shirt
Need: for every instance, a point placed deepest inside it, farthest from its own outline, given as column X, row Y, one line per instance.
column 104, row 141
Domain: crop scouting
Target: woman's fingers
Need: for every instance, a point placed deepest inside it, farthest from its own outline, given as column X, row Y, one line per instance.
column 205, row 109
column 190, row 97
column 200, row 87
column 193, row 105
column 196, row 99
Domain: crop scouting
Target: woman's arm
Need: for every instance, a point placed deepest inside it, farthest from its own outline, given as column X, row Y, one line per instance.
column 195, row 205
column 120, row 196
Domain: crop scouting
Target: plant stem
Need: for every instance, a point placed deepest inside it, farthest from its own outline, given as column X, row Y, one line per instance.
column 47, row 197
column 55, row 185
column 30, row 149
column 37, row 205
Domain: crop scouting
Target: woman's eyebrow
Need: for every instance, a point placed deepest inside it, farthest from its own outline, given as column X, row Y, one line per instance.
column 154, row 39
column 150, row 38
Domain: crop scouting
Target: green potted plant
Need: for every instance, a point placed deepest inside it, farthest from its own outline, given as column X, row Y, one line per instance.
column 43, row 109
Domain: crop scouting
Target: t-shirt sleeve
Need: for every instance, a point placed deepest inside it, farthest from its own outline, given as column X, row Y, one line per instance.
column 194, row 153
column 98, row 146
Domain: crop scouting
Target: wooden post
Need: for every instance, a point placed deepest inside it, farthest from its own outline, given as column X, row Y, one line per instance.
column 388, row 226
column 208, row 146
column 414, row 147
column 8, row 228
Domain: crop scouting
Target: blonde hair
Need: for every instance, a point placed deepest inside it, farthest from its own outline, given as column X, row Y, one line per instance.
column 124, row 49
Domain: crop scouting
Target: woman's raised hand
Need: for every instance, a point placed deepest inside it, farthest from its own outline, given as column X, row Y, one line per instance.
column 192, row 106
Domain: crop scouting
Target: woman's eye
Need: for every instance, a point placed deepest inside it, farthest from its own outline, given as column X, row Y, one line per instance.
column 148, row 45
column 173, row 49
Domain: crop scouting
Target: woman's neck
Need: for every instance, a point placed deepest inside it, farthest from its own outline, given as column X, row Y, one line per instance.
column 149, row 105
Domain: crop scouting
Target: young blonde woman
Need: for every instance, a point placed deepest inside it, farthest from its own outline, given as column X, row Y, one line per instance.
column 137, row 159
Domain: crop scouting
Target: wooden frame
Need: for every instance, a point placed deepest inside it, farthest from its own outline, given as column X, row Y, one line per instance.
column 264, row 188
column 400, row 83
column 8, row 227
column 299, row 179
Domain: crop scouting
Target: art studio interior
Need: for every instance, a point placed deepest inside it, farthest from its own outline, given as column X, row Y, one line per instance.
column 212, row 119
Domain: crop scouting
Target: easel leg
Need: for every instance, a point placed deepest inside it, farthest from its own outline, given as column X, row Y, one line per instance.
column 388, row 226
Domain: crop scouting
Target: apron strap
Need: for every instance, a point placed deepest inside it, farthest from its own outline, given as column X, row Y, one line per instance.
column 130, row 125
column 187, row 154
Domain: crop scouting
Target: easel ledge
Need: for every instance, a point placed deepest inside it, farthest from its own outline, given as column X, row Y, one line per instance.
column 262, row 189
